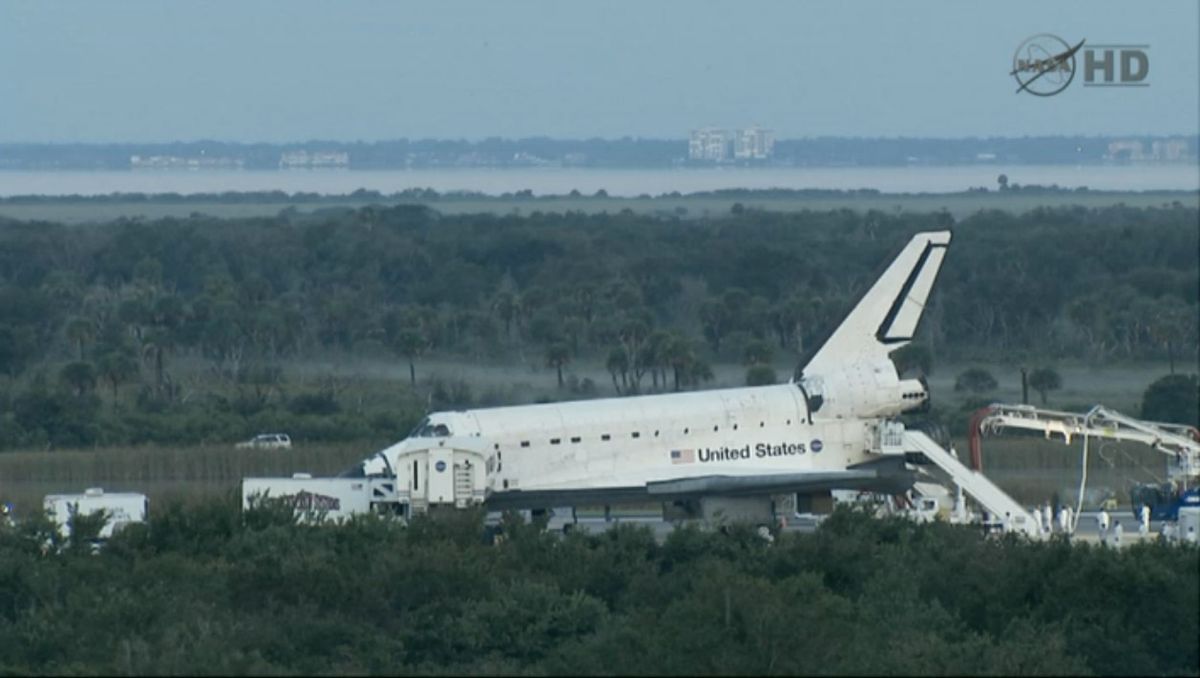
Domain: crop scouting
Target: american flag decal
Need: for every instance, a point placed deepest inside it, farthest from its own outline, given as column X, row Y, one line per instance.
column 683, row 456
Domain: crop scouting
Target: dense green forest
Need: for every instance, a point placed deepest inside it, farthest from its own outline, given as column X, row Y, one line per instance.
column 202, row 589
column 187, row 329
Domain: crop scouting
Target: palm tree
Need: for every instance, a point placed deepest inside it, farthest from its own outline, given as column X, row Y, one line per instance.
column 699, row 371
column 117, row 367
column 80, row 376
column 632, row 335
column 557, row 356
column 80, row 331
column 411, row 344
column 1166, row 325
column 508, row 306
column 680, row 355
column 714, row 320
column 155, row 346
column 618, row 363
column 653, row 357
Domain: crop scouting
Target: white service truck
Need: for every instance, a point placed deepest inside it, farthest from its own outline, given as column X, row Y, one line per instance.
column 315, row 499
column 123, row 508
column 434, row 472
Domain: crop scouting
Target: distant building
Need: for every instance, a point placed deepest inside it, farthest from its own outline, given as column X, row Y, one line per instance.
column 709, row 143
column 185, row 162
column 754, row 143
column 718, row 145
column 529, row 159
column 317, row 159
column 474, row 159
column 1163, row 150
column 1171, row 150
column 1125, row 150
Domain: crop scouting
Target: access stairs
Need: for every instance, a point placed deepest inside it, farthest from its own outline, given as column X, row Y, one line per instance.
column 1003, row 508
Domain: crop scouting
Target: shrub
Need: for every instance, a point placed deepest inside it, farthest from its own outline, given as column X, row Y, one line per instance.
column 975, row 380
column 314, row 403
column 1174, row 398
column 760, row 375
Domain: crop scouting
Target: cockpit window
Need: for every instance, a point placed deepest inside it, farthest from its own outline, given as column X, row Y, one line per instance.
column 814, row 392
column 416, row 432
column 427, row 429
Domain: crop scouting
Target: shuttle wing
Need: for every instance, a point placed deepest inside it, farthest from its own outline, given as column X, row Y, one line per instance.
column 760, row 484
column 884, row 475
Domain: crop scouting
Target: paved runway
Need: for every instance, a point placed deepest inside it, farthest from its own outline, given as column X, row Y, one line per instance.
column 1087, row 529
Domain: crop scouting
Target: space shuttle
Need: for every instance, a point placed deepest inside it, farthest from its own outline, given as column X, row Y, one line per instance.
column 729, row 451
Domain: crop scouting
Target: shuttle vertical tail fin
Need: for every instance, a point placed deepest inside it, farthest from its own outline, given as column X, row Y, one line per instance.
column 886, row 317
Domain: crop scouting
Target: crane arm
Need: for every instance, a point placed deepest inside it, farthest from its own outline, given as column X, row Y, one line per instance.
column 1178, row 441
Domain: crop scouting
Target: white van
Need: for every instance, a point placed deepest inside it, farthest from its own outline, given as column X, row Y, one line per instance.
column 267, row 441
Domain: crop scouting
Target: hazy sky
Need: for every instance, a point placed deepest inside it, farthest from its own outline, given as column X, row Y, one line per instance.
column 347, row 70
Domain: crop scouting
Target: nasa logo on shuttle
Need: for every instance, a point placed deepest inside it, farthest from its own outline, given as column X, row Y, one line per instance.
column 816, row 445
column 440, row 466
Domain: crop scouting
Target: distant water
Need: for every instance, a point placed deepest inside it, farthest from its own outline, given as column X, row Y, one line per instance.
column 617, row 182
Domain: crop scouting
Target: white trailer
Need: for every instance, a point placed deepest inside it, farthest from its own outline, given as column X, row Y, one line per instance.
column 317, row 499
column 123, row 508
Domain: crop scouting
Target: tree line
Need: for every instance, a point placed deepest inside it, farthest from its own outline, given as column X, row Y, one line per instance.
column 132, row 309
column 202, row 589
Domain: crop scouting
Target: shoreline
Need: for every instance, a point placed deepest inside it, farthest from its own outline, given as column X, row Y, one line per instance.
column 565, row 182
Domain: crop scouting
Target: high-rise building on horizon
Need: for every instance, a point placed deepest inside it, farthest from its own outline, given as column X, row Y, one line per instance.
column 709, row 143
column 713, row 144
column 303, row 159
column 753, row 143
column 1170, row 150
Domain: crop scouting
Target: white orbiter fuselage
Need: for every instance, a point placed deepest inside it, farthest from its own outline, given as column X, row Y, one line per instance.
column 809, row 435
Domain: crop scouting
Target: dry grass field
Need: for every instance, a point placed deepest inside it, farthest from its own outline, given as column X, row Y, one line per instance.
column 1032, row 469
column 1028, row 467
column 162, row 472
